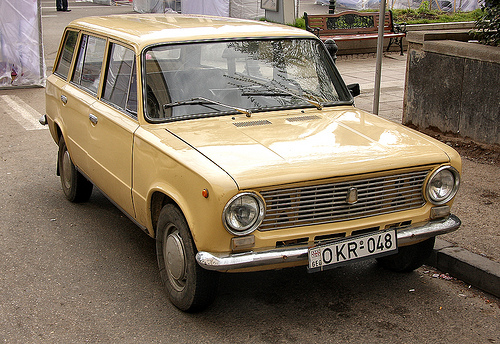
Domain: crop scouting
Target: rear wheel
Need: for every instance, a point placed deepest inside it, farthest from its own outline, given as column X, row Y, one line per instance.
column 75, row 186
column 152, row 106
column 409, row 257
column 189, row 287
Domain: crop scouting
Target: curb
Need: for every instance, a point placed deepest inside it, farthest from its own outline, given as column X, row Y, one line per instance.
column 471, row 268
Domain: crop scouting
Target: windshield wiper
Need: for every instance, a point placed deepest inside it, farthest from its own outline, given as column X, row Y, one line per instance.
column 204, row 101
column 282, row 91
column 285, row 93
column 266, row 94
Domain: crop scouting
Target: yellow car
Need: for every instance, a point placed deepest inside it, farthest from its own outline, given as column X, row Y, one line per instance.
column 237, row 146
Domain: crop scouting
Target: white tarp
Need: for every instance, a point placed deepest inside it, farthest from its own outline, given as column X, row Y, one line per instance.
column 244, row 9
column 208, row 7
column 21, row 48
column 149, row 6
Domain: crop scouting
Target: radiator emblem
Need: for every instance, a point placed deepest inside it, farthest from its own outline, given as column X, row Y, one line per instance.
column 352, row 196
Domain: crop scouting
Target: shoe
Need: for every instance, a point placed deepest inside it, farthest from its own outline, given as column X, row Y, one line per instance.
column 66, row 10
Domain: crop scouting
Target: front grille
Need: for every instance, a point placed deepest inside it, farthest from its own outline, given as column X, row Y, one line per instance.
column 327, row 203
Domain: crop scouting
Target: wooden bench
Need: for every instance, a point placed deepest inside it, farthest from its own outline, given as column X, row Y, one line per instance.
column 353, row 25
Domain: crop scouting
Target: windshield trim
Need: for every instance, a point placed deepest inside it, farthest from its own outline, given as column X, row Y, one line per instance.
column 254, row 111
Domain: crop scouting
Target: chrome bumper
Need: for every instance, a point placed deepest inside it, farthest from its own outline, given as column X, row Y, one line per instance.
column 232, row 261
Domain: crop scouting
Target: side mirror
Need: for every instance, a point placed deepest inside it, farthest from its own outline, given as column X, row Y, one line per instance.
column 354, row 89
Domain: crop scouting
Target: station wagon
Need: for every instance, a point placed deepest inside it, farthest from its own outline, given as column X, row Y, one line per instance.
column 236, row 145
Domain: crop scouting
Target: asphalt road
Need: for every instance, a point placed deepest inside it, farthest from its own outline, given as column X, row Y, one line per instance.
column 84, row 273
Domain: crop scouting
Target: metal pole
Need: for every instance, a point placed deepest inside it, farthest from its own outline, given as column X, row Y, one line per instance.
column 380, row 54
column 40, row 43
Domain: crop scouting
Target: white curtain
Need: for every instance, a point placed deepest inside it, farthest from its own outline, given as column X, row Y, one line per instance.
column 21, row 48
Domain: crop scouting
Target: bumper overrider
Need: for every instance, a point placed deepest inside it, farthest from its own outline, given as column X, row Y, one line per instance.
column 233, row 261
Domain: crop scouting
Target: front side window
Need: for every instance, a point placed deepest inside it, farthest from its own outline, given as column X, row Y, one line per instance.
column 222, row 77
column 89, row 63
column 68, row 50
column 120, row 86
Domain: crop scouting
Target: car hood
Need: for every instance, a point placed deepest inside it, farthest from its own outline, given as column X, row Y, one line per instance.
column 290, row 146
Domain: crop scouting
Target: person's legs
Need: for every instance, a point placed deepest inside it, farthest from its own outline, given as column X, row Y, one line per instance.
column 62, row 5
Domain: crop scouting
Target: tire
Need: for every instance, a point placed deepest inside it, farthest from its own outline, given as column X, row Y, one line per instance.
column 189, row 287
column 152, row 106
column 75, row 186
column 409, row 257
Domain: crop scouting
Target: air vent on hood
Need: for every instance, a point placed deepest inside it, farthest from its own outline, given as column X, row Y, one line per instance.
column 252, row 123
column 302, row 118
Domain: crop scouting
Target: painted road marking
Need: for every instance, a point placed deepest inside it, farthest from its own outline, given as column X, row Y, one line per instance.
column 22, row 113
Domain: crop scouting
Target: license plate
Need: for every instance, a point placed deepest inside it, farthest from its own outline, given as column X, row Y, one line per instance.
column 332, row 254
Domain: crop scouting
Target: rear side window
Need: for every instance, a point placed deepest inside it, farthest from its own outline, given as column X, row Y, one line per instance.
column 120, row 86
column 62, row 68
column 89, row 63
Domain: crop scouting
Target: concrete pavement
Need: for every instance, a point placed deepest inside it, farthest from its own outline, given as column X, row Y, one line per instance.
column 478, row 265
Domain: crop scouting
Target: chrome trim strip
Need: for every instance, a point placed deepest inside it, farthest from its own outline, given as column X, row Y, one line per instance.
column 429, row 230
column 232, row 261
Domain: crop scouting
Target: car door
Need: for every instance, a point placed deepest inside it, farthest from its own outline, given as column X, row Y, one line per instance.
column 78, row 95
column 112, row 122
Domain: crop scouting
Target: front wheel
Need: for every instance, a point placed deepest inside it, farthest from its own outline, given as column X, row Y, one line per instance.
column 409, row 257
column 189, row 287
column 75, row 186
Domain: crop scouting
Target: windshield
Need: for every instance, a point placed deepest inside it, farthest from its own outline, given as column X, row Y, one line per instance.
column 227, row 77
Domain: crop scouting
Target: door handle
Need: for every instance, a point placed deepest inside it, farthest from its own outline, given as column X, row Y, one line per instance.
column 64, row 99
column 93, row 119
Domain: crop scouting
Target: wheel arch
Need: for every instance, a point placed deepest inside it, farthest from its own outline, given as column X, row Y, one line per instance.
column 161, row 197
column 158, row 200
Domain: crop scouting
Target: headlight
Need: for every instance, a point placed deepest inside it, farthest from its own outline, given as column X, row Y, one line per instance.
column 243, row 213
column 442, row 185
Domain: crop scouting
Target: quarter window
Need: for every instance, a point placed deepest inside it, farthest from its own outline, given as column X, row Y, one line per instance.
column 64, row 63
column 120, row 86
column 89, row 63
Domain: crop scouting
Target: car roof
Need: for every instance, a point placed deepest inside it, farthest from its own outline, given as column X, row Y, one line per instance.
column 141, row 30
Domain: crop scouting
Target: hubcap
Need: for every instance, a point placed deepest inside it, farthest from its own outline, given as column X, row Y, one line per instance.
column 175, row 260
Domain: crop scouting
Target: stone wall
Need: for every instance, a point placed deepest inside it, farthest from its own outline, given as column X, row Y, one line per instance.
column 453, row 86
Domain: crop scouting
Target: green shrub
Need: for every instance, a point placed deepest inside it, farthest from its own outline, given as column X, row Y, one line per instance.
column 424, row 15
column 300, row 23
column 424, row 8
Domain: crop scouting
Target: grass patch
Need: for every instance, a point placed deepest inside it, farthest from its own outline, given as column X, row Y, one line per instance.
column 421, row 15
column 424, row 15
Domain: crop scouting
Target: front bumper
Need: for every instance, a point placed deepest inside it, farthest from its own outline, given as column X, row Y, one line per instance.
column 233, row 261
